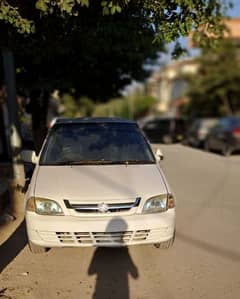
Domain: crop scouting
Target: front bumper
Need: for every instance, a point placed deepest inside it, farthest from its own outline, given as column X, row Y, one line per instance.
column 70, row 231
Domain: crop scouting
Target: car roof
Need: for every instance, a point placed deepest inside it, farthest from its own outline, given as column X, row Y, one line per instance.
column 166, row 118
column 205, row 118
column 93, row 120
column 231, row 118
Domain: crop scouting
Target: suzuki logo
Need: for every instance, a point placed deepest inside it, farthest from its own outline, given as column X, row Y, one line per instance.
column 103, row 208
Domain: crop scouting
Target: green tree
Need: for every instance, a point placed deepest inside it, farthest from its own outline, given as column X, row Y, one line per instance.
column 93, row 48
column 86, row 55
column 127, row 107
column 214, row 90
column 171, row 19
column 75, row 53
column 77, row 44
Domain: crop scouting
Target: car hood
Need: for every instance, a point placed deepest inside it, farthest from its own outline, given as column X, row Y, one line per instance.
column 89, row 183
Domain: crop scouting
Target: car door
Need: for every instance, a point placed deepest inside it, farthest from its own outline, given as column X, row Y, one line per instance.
column 213, row 137
column 180, row 129
column 191, row 134
column 165, row 129
column 219, row 138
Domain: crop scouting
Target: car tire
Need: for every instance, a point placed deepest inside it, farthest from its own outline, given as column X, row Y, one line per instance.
column 167, row 139
column 226, row 150
column 185, row 142
column 36, row 249
column 166, row 244
column 206, row 146
column 197, row 144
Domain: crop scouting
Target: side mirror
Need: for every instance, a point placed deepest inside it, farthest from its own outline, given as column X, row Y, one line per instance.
column 29, row 156
column 159, row 155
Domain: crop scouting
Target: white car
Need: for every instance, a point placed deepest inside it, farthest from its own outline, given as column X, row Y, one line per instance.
column 97, row 183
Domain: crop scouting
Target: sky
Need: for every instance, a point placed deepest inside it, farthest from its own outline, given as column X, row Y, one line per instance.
column 166, row 58
column 235, row 11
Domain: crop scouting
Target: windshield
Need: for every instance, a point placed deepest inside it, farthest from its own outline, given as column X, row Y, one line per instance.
column 96, row 143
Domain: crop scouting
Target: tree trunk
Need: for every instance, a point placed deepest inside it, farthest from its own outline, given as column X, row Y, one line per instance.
column 14, row 134
column 14, row 126
column 227, row 105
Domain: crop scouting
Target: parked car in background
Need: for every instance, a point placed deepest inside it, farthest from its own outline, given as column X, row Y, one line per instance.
column 224, row 136
column 199, row 130
column 97, row 183
column 165, row 129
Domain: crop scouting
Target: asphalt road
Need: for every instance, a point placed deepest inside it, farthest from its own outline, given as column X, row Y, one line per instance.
column 204, row 262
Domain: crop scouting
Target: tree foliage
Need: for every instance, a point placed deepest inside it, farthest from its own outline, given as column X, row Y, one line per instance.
column 91, row 54
column 132, row 107
column 82, row 107
column 171, row 19
column 215, row 89
column 22, row 15
column 92, row 47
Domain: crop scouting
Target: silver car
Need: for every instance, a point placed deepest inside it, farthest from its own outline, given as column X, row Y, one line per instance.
column 98, row 183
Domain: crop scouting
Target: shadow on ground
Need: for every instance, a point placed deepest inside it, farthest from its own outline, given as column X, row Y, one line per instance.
column 112, row 266
column 12, row 246
column 2, row 294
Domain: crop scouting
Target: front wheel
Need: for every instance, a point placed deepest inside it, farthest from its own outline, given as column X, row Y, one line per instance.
column 167, row 139
column 166, row 244
column 206, row 146
column 36, row 248
column 226, row 150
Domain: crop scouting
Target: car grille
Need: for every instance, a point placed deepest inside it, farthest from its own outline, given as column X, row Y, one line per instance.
column 102, row 208
column 96, row 238
column 103, row 238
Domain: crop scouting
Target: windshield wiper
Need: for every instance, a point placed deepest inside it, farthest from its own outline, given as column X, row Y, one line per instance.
column 84, row 162
column 100, row 162
column 138, row 162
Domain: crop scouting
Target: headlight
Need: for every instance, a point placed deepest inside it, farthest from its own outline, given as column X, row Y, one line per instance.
column 158, row 204
column 44, row 206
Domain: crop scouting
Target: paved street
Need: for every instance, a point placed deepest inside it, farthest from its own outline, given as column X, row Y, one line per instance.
column 204, row 262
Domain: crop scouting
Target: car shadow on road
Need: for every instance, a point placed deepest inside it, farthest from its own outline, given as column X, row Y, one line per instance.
column 213, row 249
column 12, row 246
column 112, row 266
